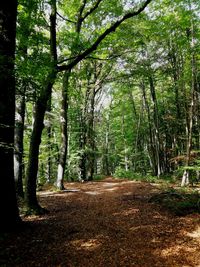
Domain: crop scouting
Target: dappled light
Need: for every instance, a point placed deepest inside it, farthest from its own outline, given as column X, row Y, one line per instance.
column 90, row 244
column 100, row 133
column 195, row 234
column 96, row 227
column 92, row 193
column 128, row 212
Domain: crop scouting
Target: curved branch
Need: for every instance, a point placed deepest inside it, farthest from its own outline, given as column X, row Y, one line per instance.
column 111, row 29
column 68, row 20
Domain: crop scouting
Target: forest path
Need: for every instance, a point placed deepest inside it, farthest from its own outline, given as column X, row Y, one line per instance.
column 101, row 224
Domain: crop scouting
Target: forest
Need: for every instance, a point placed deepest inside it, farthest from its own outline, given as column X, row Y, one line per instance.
column 91, row 89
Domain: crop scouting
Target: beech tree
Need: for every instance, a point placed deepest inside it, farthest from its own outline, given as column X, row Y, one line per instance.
column 9, row 211
column 150, row 122
column 45, row 93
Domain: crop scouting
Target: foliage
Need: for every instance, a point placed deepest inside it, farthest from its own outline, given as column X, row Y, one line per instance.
column 178, row 201
column 129, row 100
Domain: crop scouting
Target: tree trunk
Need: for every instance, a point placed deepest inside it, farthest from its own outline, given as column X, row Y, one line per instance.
column 189, row 125
column 152, row 153
column 91, row 137
column 18, row 144
column 8, row 203
column 64, row 132
column 156, row 127
column 20, row 105
column 38, row 125
column 83, row 158
column 32, row 169
column 48, row 172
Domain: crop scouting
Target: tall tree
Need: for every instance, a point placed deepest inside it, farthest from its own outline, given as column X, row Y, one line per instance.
column 41, row 104
column 8, row 204
column 40, row 109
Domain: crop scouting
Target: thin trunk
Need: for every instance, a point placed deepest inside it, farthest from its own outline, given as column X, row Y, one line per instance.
column 82, row 163
column 49, row 144
column 18, row 144
column 185, row 178
column 91, row 137
column 137, row 139
column 124, row 142
column 151, row 149
column 176, row 70
column 64, row 132
column 156, row 127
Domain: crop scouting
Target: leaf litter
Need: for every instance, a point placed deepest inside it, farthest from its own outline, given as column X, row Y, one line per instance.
column 105, row 223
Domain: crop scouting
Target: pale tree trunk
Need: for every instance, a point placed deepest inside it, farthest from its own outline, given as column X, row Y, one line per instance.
column 64, row 132
column 20, row 106
column 105, row 158
column 155, row 127
column 151, row 149
column 124, row 142
column 189, row 125
column 18, row 144
column 83, row 158
column 49, row 144
column 138, row 137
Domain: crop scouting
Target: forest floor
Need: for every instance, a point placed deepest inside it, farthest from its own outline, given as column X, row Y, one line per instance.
column 104, row 223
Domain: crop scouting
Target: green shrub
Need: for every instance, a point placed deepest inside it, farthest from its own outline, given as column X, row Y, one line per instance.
column 179, row 202
column 122, row 173
column 98, row 177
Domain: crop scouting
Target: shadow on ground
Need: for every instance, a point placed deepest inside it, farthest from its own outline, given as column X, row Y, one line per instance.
column 108, row 223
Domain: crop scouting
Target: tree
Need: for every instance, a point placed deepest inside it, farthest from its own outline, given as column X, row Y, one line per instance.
column 45, row 94
column 9, row 211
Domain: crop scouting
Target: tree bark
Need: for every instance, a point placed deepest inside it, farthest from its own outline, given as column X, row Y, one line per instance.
column 156, row 127
column 64, row 132
column 8, row 203
column 91, row 137
column 49, row 143
column 38, row 125
column 151, row 149
column 18, row 144
column 189, row 125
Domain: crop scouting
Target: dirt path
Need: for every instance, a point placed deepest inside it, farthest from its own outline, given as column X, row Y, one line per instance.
column 101, row 224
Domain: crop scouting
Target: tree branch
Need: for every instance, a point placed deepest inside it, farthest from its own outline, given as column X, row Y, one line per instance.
column 68, row 20
column 92, row 9
column 94, row 46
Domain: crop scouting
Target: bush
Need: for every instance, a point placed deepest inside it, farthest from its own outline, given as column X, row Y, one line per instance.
column 122, row 173
column 98, row 177
column 178, row 202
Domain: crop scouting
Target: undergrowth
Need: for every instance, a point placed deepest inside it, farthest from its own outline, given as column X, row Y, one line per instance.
column 122, row 173
column 181, row 202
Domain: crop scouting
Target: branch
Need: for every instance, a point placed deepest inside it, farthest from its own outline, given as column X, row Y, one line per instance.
column 103, row 59
column 110, row 57
column 91, row 10
column 80, row 19
column 68, row 20
column 67, row 59
column 95, row 45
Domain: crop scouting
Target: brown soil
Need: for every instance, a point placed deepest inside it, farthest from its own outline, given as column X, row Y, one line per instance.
column 101, row 224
